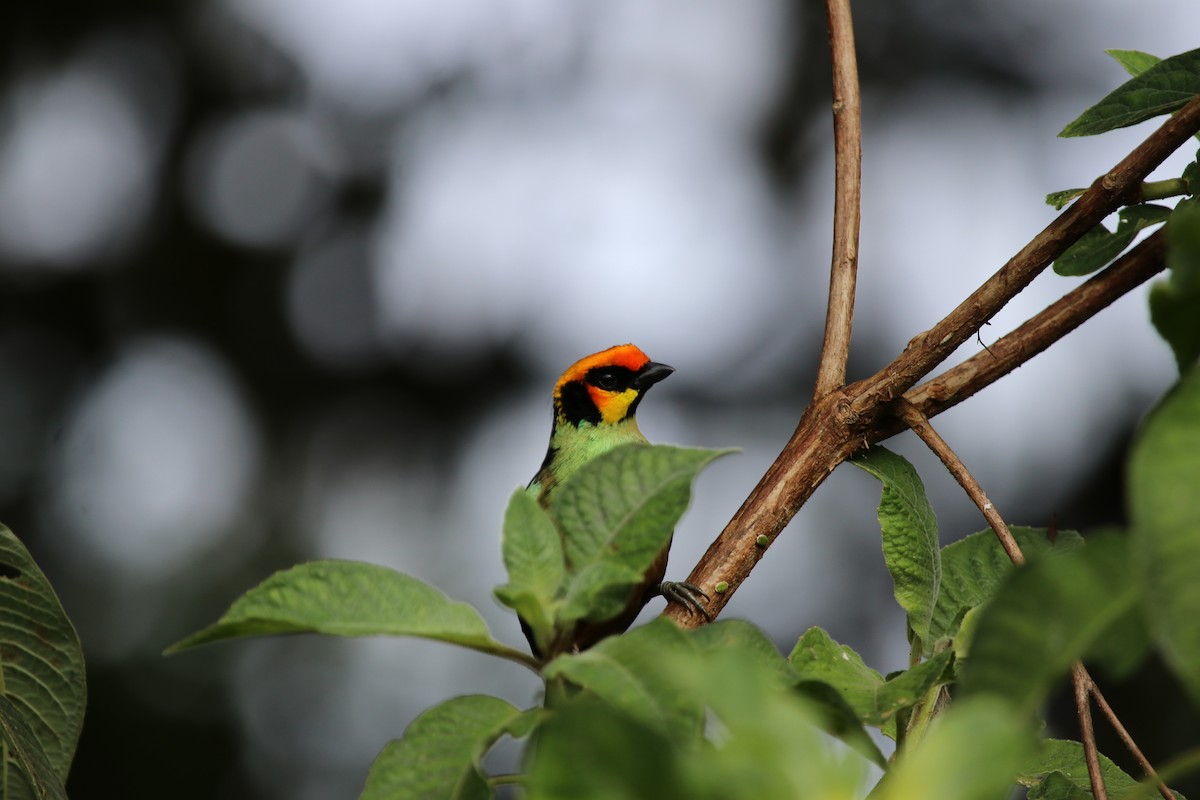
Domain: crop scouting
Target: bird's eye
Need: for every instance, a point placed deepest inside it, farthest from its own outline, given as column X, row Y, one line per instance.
column 607, row 380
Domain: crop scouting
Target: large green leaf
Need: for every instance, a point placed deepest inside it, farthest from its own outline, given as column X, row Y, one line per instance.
column 972, row 752
column 623, row 505
column 974, row 566
column 439, row 755
column 1175, row 301
column 747, row 641
column 1063, row 758
column 1164, row 503
column 837, row 718
column 617, row 514
column 1099, row 246
column 42, row 662
column 910, row 542
column 350, row 598
column 597, row 592
column 533, row 556
column 29, row 772
column 1160, row 89
column 763, row 738
column 588, row 750
column 1046, row 616
column 634, row 672
column 877, row 701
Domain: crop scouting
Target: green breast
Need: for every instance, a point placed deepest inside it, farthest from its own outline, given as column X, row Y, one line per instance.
column 575, row 446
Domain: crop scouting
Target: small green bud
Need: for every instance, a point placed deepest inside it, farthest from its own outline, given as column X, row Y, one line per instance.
column 722, row 587
column 762, row 540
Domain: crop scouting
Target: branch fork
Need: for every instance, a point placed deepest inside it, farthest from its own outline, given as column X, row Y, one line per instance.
column 842, row 419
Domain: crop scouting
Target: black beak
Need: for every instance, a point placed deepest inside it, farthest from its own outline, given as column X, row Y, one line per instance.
column 651, row 374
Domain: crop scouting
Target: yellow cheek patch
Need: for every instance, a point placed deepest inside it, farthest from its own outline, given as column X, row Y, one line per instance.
column 613, row 406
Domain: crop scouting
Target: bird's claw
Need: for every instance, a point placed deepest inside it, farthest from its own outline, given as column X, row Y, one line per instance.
column 687, row 595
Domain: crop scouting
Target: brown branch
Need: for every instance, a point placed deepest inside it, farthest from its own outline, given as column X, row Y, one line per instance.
column 1125, row 737
column 847, row 419
column 1114, row 188
column 1081, row 680
column 1082, row 683
column 921, row 427
column 847, row 141
column 1037, row 334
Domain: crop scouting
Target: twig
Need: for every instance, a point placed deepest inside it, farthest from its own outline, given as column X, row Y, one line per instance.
column 1123, row 182
column 1125, row 737
column 1039, row 332
column 1080, row 678
column 921, row 427
column 847, row 142
column 1082, row 683
column 844, row 421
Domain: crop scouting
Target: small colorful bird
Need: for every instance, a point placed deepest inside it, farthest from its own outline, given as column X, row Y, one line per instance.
column 594, row 405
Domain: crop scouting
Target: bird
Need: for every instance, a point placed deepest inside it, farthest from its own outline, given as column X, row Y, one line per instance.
column 595, row 402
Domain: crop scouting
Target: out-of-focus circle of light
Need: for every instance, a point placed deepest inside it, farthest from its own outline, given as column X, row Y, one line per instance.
column 257, row 179
column 75, row 169
column 330, row 302
column 156, row 461
column 374, row 55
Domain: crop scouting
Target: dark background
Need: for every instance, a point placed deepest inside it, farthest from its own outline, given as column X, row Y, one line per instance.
column 286, row 279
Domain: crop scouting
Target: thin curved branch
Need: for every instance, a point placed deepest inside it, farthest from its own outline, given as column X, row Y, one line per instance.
column 919, row 423
column 1082, row 683
column 1080, row 679
column 847, row 143
column 1125, row 737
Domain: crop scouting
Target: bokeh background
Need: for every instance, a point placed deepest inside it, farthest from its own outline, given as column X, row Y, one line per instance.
column 288, row 279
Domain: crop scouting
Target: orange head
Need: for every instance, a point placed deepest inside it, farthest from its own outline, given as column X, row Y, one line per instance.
column 605, row 387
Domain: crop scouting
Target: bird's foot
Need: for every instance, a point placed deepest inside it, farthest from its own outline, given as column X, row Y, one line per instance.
column 687, row 595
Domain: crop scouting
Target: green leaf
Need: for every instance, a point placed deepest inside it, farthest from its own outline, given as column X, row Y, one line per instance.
column 1160, row 89
column 533, row 556
column 1164, row 473
column 1057, row 786
column 350, row 598
column 440, row 753
column 1099, row 246
column 1191, row 177
column 633, row 672
column 1065, row 759
column 876, row 701
column 1135, row 62
column 763, row 739
column 838, row 719
column 1063, row 196
column 619, row 510
column 29, row 773
column 910, row 543
column 971, row 752
column 533, row 553
column 1045, row 617
column 591, row 751
column 974, row 566
column 747, row 641
column 1175, row 301
column 42, row 663
column 598, row 592
column 767, row 738
column 623, row 505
